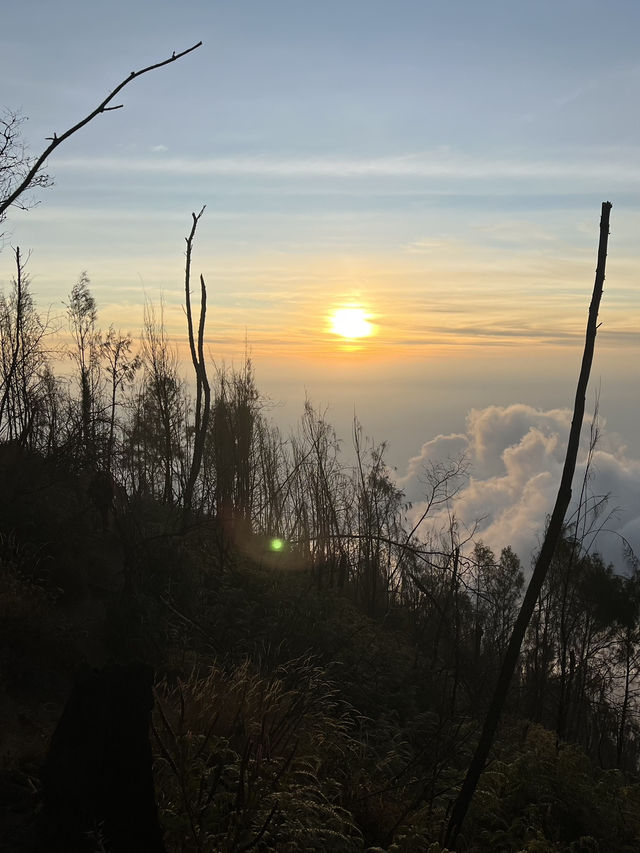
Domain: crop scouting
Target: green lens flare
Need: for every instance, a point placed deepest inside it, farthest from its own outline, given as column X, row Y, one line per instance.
column 277, row 545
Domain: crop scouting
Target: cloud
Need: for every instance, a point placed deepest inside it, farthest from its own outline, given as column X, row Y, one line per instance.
column 419, row 247
column 430, row 164
column 516, row 456
column 517, row 232
column 439, row 449
column 496, row 432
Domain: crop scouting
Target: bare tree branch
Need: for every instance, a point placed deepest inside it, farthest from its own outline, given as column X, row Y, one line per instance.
column 31, row 176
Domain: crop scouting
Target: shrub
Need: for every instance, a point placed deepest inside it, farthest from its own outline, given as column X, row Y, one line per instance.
column 248, row 761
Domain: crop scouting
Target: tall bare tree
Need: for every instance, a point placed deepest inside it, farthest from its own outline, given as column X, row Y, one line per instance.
column 203, row 389
column 23, row 359
column 551, row 539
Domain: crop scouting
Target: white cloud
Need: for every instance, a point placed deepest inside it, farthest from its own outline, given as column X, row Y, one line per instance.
column 441, row 448
column 495, row 428
column 434, row 164
column 517, row 454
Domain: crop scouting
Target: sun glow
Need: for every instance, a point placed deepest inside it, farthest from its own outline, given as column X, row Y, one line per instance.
column 350, row 322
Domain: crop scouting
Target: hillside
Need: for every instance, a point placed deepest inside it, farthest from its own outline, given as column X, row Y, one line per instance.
column 285, row 718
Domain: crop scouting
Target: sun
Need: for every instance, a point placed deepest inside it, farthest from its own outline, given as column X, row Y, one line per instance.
column 350, row 323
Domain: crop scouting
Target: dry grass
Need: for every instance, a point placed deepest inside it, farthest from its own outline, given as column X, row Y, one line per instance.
column 246, row 761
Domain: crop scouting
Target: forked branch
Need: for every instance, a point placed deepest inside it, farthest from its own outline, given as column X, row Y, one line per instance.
column 203, row 390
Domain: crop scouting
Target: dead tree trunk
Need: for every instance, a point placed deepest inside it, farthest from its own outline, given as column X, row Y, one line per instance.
column 203, row 389
column 551, row 538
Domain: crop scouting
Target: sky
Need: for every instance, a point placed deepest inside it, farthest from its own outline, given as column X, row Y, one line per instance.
column 440, row 166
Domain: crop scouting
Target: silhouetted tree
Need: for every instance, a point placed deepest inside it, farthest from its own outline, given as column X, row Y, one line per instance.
column 16, row 166
column 24, row 363
column 121, row 368
column 552, row 536
column 203, row 390
column 82, row 315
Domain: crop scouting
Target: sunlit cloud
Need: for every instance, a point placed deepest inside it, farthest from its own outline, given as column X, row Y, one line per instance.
column 516, row 454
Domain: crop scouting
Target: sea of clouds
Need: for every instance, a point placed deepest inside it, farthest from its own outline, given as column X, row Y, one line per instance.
column 515, row 455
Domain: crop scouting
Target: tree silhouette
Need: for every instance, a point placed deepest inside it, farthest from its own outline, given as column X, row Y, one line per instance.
column 553, row 534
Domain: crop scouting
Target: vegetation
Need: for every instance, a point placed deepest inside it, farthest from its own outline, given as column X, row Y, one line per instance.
column 326, row 695
column 323, row 665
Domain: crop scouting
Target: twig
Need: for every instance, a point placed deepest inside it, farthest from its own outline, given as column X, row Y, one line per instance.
column 101, row 108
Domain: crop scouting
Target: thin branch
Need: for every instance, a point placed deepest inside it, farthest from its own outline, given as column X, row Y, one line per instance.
column 187, row 285
column 101, row 108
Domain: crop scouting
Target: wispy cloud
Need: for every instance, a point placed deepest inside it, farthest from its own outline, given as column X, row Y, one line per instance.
column 428, row 165
column 519, row 232
column 419, row 247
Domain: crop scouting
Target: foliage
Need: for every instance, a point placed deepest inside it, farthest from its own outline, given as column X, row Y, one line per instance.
column 322, row 696
column 548, row 797
column 254, row 761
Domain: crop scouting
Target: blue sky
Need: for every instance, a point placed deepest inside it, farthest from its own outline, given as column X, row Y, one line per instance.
column 440, row 164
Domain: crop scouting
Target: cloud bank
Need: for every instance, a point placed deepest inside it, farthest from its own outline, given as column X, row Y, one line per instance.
column 516, row 454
